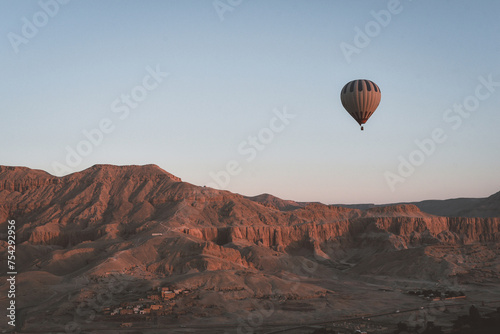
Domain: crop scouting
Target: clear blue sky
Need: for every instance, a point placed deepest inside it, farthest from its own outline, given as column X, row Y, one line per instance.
column 231, row 66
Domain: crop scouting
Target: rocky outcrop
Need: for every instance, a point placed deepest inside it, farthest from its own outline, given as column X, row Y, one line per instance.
column 410, row 231
column 144, row 228
column 136, row 199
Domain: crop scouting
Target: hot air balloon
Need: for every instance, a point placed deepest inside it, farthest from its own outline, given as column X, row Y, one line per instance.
column 360, row 98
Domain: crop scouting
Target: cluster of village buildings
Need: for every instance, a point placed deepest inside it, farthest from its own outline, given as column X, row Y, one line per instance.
column 436, row 295
column 156, row 303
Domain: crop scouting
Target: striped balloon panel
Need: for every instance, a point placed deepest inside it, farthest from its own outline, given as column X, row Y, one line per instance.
column 360, row 98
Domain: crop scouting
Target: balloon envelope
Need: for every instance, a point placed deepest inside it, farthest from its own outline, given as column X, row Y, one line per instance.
column 360, row 98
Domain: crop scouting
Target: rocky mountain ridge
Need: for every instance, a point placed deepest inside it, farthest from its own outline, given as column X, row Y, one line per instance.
column 106, row 200
column 148, row 228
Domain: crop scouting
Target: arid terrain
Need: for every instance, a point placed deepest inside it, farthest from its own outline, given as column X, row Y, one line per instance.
column 135, row 249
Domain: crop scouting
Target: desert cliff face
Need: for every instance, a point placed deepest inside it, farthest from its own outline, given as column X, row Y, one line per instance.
column 134, row 199
column 121, row 203
column 143, row 222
